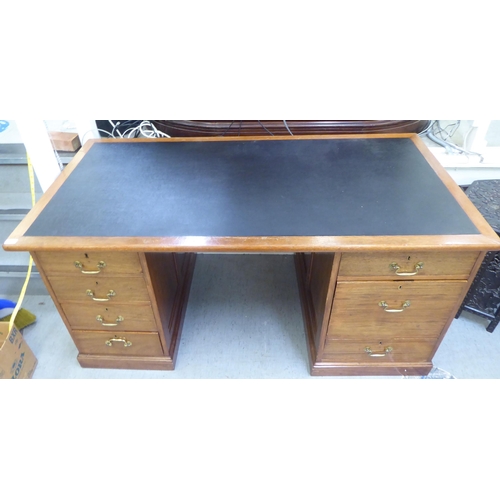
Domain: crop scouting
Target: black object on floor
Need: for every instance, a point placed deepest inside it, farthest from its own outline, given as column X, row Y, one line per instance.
column 483, row 297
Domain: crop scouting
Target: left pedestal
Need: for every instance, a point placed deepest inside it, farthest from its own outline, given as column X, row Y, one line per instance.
column 122, row 309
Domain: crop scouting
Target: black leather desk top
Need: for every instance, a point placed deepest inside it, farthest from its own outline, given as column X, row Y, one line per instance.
column 341, row 187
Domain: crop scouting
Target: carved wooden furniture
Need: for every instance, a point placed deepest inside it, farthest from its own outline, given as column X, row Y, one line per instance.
column 385, row 243
column 483, row 297
column 225, row 128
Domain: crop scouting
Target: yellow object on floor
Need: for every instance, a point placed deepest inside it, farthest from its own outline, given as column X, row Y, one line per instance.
column 23, row 318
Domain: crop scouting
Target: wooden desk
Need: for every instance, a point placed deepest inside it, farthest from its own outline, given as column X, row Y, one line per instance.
column 385, row 243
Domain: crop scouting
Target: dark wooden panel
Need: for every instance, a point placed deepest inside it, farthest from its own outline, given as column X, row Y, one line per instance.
column 163, row 274
column 204, row 128
column 171, row 293
column 319, row 282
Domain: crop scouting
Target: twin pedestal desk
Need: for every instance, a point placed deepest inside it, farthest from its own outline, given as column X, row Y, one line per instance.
column 385, row 243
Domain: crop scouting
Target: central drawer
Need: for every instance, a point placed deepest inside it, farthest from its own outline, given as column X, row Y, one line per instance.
column 116, row 317
column 378, row 309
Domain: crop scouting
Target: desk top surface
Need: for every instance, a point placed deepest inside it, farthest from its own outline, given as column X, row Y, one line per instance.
column 253, row 188
column 312, row 192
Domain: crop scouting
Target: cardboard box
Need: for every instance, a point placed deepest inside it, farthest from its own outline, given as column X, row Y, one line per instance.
column 16, row 358
column 65, row 141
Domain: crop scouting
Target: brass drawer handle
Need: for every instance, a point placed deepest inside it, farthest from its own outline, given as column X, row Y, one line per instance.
column 110, row 294
column 387, row 351
column 396, row 268
column 384, row 304
column 126, row 343
column 101, row 320
column 101, row 264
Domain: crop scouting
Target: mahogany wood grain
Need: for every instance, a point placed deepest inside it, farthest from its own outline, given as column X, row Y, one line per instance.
column 170, row 291
column 127, row 289
column 353, row 351
column 319, row 283
column 180, row 310
column 356, row 313
column 344, row 369
column 125, row 362
column 143, row 344
column 297, row 244
column 325, row 320
column 164, row 284
column 316, row 325
column 435, row 264
column 208, row 128
column 315, row 274
column 51, row 291
column 181, row 262
column 57, row 263
column 137, row 316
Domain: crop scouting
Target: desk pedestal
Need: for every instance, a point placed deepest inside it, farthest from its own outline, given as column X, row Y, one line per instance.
column 380, row 314
column 123, row 310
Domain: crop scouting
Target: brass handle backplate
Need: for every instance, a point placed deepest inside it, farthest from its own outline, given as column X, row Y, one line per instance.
column 396, row 268
column 384, row 304
column 110, row 294
column 101, row 320
column 101, row 265
column 387, row 351
column 126, row 343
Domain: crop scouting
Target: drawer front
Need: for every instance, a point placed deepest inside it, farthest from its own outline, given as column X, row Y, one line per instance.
column 411, row 265
column 100, row 289
column 378, row 351
column 113, row 317
column 373, row 309
column 89, row 263
column 118, row 344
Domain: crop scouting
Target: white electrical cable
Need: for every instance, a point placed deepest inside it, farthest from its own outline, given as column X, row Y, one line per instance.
column 115, row 127
column 146, row 129
column 450, row 147
column 286, row 125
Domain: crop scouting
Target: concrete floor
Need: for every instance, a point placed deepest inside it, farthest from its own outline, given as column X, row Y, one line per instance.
column 244, row 322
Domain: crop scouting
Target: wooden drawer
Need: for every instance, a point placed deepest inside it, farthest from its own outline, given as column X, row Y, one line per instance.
column 126, row 289
column 142, row 344
column 434, row 264
column 116, row 263
column 357, row 312
column 135, row 317
column 379, row 351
